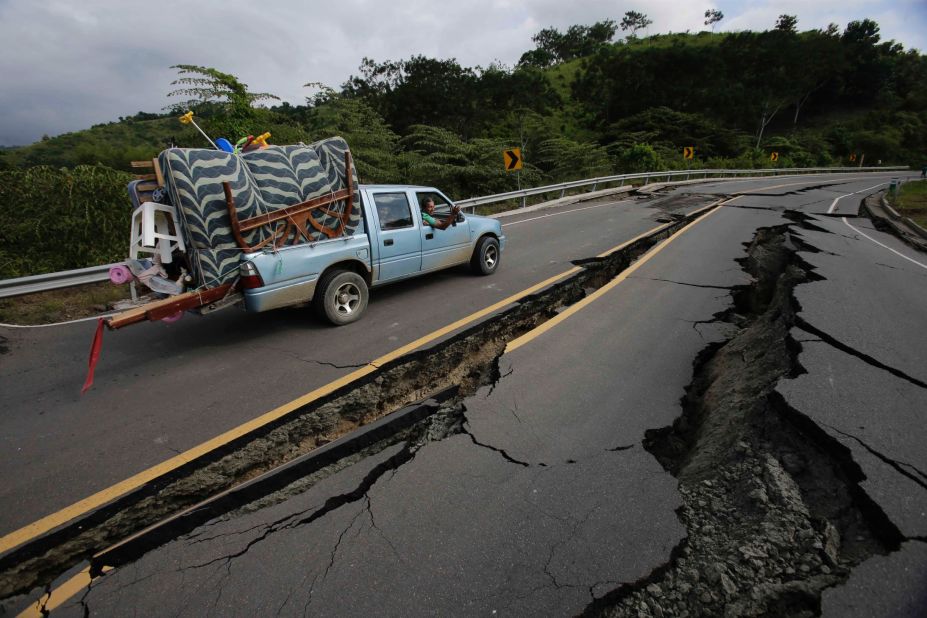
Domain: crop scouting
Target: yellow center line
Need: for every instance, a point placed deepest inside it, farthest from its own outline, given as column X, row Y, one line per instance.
column 579, row 306
column 59, row 595
column 94, row 501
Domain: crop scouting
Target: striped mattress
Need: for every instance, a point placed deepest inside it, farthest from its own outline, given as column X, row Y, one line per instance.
column 262, row 181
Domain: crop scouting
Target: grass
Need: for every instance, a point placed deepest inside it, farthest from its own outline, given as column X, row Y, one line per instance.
column 911, row 201
column 61, row 305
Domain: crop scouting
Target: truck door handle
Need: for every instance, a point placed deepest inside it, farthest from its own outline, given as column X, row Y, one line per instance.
column 388, row 242
column 429, row 236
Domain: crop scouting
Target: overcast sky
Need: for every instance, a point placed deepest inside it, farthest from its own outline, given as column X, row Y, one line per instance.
column 68, row 64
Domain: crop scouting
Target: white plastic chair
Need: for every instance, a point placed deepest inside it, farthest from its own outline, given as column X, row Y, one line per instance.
column 152, row 224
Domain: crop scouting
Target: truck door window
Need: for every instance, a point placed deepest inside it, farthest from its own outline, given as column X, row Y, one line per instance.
column 393, row 210
column 442, row 207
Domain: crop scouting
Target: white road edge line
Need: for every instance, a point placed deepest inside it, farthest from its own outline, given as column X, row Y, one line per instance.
column 924, row 266
column 834, row 203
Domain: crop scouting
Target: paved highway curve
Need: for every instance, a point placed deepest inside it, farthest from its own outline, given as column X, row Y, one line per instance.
column 539, row 496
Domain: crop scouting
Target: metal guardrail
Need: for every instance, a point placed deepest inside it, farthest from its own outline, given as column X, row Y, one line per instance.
column 54, row 281
column 470, row 204
column 95, row 274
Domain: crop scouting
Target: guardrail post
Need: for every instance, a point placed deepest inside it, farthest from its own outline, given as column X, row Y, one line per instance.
column 562, row 193
column 524, row 201
column 594, row 185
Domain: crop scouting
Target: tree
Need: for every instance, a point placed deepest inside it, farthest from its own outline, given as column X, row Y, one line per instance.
column 419, row 90
column 577, row 42
column 639, row 158
column 549, row 40
column 601, row 32
column 228, row 97
column 863, row 33
column 787, row 23
column 372, row 142
column 869, row 63
column 436, row 156
column 815, row 61
column 564, row 159
column 539, row 58
column 713, row 16
column 634, row 21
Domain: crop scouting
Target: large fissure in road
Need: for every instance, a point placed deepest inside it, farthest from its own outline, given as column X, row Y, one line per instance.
column 772, row 503
column 465, row 361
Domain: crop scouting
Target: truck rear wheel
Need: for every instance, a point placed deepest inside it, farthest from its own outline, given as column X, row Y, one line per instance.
column 341, row 297
column 486, row 256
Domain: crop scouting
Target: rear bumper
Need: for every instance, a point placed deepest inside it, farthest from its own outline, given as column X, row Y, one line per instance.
column 281, row 294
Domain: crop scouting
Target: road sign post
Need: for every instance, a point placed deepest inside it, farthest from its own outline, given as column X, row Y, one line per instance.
column 512, row 159
column 688, row 153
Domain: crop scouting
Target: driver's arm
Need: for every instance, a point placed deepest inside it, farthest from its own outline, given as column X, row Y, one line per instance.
column 445, row 223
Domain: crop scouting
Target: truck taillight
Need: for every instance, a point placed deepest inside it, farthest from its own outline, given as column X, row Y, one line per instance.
column 250, row 278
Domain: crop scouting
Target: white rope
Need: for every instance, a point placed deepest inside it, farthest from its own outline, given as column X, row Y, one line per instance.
column 102, row 315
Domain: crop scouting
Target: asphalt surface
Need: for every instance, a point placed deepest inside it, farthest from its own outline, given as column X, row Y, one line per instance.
column 545, row 500
column 161, row 389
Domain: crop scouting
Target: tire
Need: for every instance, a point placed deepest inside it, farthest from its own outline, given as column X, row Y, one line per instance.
column 341, row 297
column 486, row 256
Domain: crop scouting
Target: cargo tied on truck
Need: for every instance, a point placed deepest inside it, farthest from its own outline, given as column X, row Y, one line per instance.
column 281, row 226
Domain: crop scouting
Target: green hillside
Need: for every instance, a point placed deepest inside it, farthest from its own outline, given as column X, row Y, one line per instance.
column 579, row 104
column 823, row 94
column 113, row 144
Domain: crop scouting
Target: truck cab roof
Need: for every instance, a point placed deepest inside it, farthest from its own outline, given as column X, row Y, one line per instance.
column 403, row 187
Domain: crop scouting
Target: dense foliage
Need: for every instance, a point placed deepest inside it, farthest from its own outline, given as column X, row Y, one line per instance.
column 578, row 105
column 58, row 219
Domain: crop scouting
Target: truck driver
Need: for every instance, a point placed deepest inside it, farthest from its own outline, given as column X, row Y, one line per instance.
column 428, row 211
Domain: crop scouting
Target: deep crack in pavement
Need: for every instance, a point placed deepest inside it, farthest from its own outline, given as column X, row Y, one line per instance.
column 773, row 506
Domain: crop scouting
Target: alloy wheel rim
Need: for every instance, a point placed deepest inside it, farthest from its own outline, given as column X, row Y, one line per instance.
column 489, row 258
column 347, row 297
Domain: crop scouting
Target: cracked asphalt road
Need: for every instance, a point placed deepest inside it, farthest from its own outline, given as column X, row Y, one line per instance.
column 866, row 386
column 866, row 380
column 546, row 500
column 164, row 388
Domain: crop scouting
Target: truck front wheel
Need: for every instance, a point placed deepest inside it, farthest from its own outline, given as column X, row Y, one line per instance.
column 486, row 256
column 341, row 297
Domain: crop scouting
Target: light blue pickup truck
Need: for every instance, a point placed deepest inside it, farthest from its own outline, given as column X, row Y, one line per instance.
column 283, row 226
column 391, row 243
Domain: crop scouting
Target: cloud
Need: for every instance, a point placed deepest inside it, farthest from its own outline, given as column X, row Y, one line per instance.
column 69, row 65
